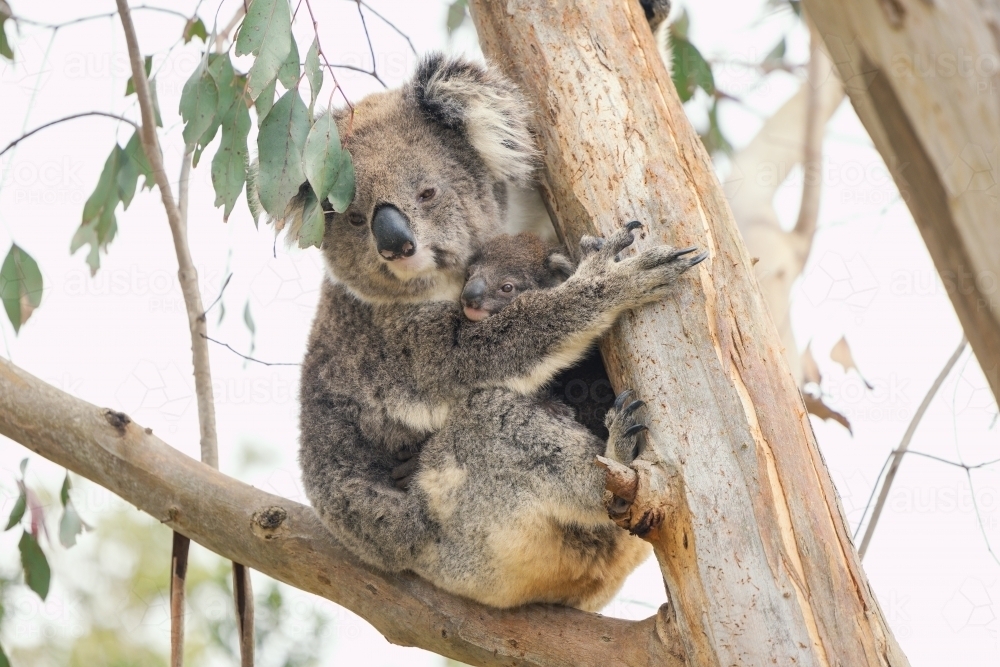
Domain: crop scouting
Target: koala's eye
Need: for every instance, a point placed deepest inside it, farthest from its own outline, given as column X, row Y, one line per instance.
column 426, row 195
column 507, row 287
column 357, row 219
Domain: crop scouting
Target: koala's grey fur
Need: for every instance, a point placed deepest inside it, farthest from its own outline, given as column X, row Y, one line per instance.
column 507, row 504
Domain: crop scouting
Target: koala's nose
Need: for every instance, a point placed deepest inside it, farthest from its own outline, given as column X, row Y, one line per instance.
column 393, row 237
column 472, row 295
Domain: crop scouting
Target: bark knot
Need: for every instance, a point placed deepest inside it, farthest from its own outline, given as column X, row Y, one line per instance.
column 118, row 420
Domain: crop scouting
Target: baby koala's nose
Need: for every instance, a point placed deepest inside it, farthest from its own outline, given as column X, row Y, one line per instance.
column 472, row 295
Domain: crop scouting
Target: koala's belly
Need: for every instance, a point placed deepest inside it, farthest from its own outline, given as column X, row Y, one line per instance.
column 511, row 559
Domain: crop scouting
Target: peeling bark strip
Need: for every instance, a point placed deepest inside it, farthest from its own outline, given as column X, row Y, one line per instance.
column 754, row 548
column 286, row 541
column 924, row 82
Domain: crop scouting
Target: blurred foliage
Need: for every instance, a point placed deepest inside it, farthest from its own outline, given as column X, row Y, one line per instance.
column 113, row 607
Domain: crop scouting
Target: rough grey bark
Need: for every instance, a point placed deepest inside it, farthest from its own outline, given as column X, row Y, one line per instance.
column 753, row 545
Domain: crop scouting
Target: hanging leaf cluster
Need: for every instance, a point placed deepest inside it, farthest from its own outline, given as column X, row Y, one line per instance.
column 20, row 286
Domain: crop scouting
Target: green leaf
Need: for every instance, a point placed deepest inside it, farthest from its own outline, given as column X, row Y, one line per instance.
column 130, row 85
column 690, row 70
column 229, row 166
column 264, row 102
column 288, row 75
column 342, row 192
column 23, row 466
column 20, row 286
column 17, row 513
column 314, row 74
column 4, row 660
column 313, row 223
column 36, row 568
column 5, row 49
column 321, row 155
column 99, row 224
column 279, row 147
column 64, row 491
column 133, row 165
column 456, row 15
column 70, row 525
column 267, row 34
column 199, row 100
column 195, row 27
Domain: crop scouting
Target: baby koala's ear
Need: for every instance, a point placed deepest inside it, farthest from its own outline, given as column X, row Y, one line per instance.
column 559, row 265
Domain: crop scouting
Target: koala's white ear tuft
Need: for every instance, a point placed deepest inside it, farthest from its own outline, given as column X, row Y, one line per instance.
column 486, row 106
column 559, row 264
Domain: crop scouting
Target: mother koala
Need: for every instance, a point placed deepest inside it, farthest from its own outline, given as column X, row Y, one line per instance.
column 506, row 506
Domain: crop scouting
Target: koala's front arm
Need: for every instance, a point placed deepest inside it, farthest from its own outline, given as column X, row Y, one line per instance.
column 542, row 331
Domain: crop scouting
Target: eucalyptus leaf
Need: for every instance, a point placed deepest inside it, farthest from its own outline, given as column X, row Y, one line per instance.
column 195, row 27
column 279, row 147
column 4, row 660
column 156, row 105
column 266, row 33
column 70, row 525
column 456, row 15
column 314, row 74
column 130, row 85
column 690, row 70
column 342, row 192
column 313, row 223
column 36, row 568
column 264, row 102
column 99, row 225
column 199, row 100
column 229, row 166
column 17, row 513
column 20, row 286
column 288, row 75
column 321, row 155
column 5, row 49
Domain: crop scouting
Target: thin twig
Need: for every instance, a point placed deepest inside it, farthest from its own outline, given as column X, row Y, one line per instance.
column 178, row 572
column 391, row 25
column 329, row 67
column 263, row 363
column 105, row 15
column 904, row 444
column 220, row 39
column 187, row 273
column 63, row 120
column 218, row 298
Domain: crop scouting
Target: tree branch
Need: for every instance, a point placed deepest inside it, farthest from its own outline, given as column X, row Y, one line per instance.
column 812, row 147
column 63, row 120
column 904, row 444
column 187, row 274
column 287, row 541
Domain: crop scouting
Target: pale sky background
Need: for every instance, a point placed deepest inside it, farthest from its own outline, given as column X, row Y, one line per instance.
column 120, row 339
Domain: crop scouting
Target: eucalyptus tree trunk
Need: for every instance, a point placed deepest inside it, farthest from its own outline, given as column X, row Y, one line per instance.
column 752, row 542
column 924, row 78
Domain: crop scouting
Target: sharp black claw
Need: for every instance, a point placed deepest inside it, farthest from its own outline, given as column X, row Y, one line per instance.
column 633, row 406
column 698, row 259
column 622, row 397
column 633, row 225
column 635, row 428
column 683, row 251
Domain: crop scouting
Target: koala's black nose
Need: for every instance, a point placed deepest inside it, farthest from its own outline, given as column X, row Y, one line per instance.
column 472, row 295
column 392, row 233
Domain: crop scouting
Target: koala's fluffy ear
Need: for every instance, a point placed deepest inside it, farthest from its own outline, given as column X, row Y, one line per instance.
column 561, row 266
column 486, row 106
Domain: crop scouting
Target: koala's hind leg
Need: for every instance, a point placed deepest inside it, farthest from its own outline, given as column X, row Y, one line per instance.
column 519, row 503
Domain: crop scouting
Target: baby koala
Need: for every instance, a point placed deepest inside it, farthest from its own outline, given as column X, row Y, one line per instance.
column 510, row 265
column 507, row 266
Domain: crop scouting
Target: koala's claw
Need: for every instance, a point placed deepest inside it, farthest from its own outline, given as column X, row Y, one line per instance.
column 649, row 521
column 624, row 428
column 403, row 473
column 622, row 397
column 633, row 225
column 680, row 252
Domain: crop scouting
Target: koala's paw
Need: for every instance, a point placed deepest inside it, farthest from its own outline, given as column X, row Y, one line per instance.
column 402, row 474
column 624, row 428
column 654, row 270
